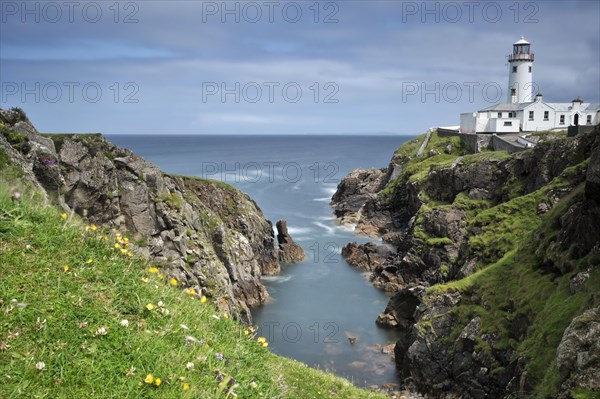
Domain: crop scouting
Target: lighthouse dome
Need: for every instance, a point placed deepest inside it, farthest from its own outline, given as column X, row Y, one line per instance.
column 522, row 41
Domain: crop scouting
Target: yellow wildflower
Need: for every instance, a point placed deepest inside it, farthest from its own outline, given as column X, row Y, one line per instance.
column 265, row 344
column 145, row 279
column 190, row 291
column 157, row 382
column 89, row 261
column 261, row 340
column 149, row 379
column 124, row 251
column 203, row 299
column 186, row 386
column 64, row 216
column 94, row 227
column 87, row 227
column 225, row 316
column 150, row 306
column 153, row 270
column 117, row 246
column 172, row 281
column 66, row 268
column 126, row 240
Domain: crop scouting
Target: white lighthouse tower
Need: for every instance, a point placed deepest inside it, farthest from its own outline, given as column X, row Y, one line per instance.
column 520, row 82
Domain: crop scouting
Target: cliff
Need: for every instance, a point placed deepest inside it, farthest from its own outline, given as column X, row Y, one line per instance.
column 495, row 273
column 81, row 316
column 203, row 233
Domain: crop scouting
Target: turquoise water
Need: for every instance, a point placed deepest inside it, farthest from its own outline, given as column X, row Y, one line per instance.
column 316, row 305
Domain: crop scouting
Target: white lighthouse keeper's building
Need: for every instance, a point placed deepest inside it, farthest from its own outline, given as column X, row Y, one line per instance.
column 522, row 112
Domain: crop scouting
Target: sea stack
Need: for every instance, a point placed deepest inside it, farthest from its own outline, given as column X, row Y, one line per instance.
column 289, row 251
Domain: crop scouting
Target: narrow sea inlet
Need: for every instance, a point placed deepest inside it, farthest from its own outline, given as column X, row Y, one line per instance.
column 317, row 305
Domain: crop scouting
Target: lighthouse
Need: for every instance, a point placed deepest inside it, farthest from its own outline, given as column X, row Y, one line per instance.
column 520, row 64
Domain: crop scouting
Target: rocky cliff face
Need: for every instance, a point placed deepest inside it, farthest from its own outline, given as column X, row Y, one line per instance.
column 484, row 244
column 204, row 233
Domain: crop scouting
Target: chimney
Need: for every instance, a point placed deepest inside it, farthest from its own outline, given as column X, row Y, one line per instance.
column 538, row 97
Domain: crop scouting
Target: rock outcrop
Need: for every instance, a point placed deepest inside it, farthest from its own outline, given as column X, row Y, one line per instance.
column 289, row 251
column 205, row 233
column 578, row 353
column 365, row 257
column 353, row 192
column 469, row 230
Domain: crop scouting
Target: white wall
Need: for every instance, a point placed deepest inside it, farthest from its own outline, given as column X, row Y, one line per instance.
column 498, row 125
column 467, row 122
column 538, row 122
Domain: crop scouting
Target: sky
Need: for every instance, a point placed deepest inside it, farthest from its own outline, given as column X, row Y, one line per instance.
column 284, row 67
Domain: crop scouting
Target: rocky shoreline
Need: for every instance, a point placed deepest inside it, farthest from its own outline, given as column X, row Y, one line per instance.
column 450, row 214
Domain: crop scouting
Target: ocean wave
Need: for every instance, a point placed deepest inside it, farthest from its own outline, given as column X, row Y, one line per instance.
column 276, row 279
column 299, row 230
column 330, row 189
column 329, row 229
column 324, row 218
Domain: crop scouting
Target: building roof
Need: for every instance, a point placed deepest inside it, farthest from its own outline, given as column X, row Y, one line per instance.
column 593, row 107
column 559, row 107
column 505, row 107
column 522, row 41
column 562, row 107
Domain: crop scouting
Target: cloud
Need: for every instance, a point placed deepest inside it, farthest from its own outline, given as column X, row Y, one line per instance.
column 81, row 50
column 370, row 54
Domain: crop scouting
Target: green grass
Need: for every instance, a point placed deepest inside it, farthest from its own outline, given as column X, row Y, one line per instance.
column 14, row 138
column 552, row 133
column 483, row 156
column 93, row 141
column 4, row 160
column 172, row 200
column 17, row 115
column 71, row 320
column 410, row 148
column 417, row 169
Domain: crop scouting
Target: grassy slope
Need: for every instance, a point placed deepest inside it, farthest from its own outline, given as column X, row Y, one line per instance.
column 64, row 293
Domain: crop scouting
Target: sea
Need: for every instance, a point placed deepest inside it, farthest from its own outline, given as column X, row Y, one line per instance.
column 316, row 305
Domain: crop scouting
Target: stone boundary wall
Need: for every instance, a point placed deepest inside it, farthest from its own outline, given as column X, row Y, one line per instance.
column 475, row 142
column 499, row 144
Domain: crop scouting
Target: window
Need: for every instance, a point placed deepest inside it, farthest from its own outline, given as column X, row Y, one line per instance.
column 562, row 120
column 508, row 123
column 499, row 114
column 513, row 92
column 546, row 115
column 530, row 115
column 529, row 69
column 514, row 69
column 512, row 115
column 589, row 119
